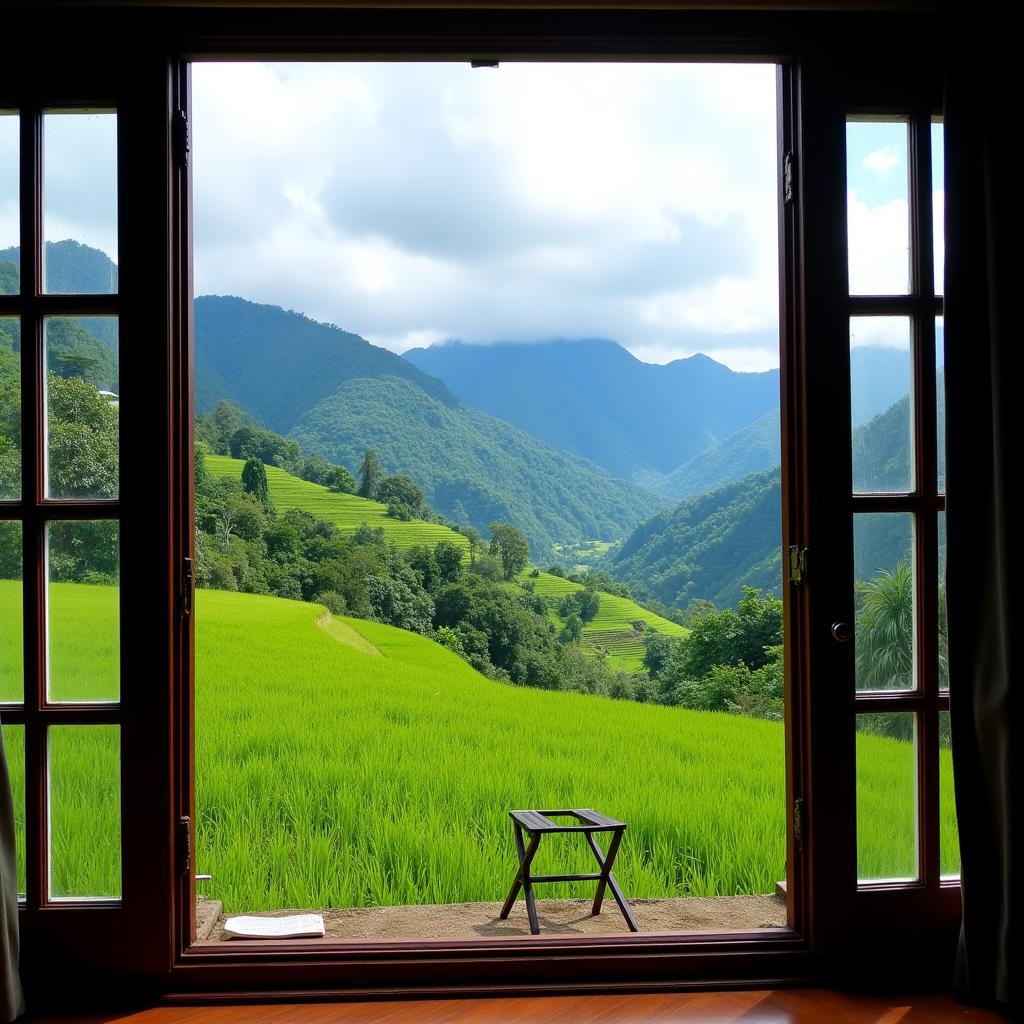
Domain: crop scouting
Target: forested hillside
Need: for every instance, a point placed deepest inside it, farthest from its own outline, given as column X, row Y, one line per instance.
column 474, row 468
column 594, row 398
column 277, row 364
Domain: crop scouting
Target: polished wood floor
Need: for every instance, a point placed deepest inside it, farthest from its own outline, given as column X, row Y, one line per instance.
column 794, row 1006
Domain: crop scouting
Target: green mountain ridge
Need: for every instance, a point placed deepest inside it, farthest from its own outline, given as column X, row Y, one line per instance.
column 472, row 466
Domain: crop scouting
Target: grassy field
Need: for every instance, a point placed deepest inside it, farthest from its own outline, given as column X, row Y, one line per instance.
column 351, row 763
column 346, row 511
column 612, row 629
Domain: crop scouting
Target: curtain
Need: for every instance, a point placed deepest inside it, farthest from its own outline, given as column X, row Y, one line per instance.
column 11, row 1000
column 984, row 568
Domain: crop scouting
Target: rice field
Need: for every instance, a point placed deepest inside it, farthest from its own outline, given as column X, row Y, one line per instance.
column 347, row 511
column 335, row 771
column 612, row 630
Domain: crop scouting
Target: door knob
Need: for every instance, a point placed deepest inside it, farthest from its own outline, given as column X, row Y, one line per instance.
column 841, row 632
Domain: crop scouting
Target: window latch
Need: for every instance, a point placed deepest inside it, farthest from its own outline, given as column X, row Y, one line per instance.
column 187, row 587
column 184, row 844
column 798, row 823
column 787, row 178
column 797, row 565
column 180, row 138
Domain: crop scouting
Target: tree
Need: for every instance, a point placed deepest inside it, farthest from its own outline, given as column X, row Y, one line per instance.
column 884, row 634
column 473, row 536
column 510, row 547
column 83, row 440
column 370, row 473
column 401, row 495
column 657, row 647
column 254, row 481
column 448, row 556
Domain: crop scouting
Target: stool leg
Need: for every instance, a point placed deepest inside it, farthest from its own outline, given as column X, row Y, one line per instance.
column 608, row 878
column 523, row 879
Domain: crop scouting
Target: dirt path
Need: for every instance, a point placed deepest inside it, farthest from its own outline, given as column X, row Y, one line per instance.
column 557, row 917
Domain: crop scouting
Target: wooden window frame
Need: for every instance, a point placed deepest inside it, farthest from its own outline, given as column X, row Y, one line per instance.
column 152, row 947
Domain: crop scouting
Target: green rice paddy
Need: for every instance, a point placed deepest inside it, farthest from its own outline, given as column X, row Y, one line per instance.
column 347, row 511
column 347, row 763
column 611, row 631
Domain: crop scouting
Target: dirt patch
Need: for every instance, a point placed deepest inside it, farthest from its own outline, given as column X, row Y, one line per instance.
column 557, row 917
column 345, row 634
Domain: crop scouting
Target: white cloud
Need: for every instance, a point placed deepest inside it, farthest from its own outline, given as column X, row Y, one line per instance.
column 883, row 161
column 416, row 202
column 879, row 246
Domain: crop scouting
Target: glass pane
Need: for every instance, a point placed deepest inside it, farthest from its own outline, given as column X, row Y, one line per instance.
column 82, row 406
column 80, row 202
column 887, row 797
column 940, row 400
column 943, row 627
column 14, row 748
column 10, row 214
column 881, row 403
column 85, row 811
column 949, row 835
column 884, row 599
column 938, row 204
column 877, row 207
column 10, row 408
column 12, row 687
column 83, row 627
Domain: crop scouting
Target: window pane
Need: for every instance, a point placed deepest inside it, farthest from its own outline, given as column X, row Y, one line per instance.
column 82, row 406
column 85, row 810
column 14, row 748
column 10, row 222
column 881, row 401
column 83, row 629
column 938, row 204
column 940, row 400
column 10, row 408
column 943, row 626
column 12, row 686
column 949, row 835
column 877, row 207
column 884, row 599
column 887, row 797
column 80, row 202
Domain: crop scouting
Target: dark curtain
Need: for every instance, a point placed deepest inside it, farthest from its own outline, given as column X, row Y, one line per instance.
column 985, row 574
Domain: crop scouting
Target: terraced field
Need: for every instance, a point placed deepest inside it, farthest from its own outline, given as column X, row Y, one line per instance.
column 346, row 511
column 612, row 629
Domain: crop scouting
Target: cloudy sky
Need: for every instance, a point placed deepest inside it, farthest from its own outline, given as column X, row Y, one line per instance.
column 414, row 203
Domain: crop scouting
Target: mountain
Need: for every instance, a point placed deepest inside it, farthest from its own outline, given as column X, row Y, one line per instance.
column 278, row 364
column 338, row 395
column 753, row 448
column 473, row 467
column 72, row 268
column 594, row 398
column 708, row 546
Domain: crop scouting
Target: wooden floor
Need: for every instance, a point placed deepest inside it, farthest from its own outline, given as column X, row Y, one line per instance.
column 803, row 1006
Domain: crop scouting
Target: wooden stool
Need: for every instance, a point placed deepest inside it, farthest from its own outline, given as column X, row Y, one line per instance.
column 538, row 823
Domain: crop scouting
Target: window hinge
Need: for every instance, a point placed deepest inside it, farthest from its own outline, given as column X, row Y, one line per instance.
column 798, row 823
column 184, row 845
column 180, row 138
column 187, row 587
column 797, row 565
column 788, row 174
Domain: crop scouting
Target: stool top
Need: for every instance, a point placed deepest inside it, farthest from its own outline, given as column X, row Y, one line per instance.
column 590, row 821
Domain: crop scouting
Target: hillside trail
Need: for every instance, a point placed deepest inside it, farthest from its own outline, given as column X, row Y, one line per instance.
column 345, row 634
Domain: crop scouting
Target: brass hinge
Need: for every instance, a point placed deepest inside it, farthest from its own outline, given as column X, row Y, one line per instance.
column 184, row 845
column 798, row 823
column 187, row 587
column 180, row 139
column 788, row 178
column 797, row 565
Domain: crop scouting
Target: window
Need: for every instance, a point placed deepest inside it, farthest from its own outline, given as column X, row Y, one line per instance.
column 146, row 704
